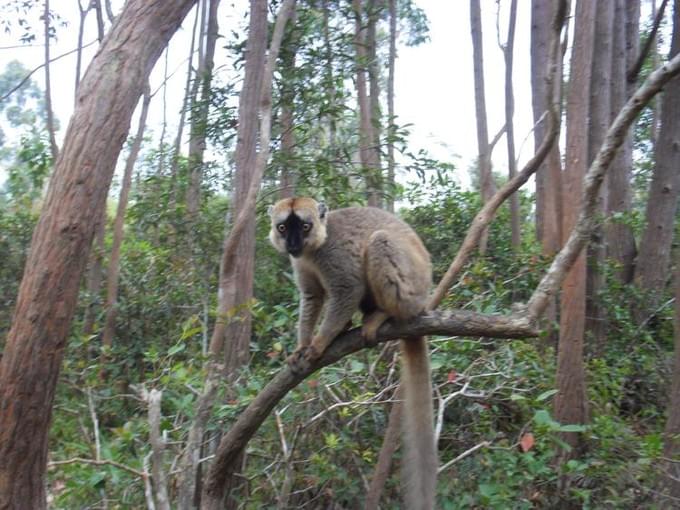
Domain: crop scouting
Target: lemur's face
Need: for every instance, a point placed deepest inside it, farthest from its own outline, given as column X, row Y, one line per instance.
column 298, row 225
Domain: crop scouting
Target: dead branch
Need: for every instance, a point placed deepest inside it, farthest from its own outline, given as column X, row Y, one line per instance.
column 102, row 462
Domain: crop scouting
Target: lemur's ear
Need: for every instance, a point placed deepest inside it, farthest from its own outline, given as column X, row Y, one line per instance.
column 270, row 210
column 322, row 210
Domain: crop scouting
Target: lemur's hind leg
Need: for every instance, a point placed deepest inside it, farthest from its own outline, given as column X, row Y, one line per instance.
column 371, row 324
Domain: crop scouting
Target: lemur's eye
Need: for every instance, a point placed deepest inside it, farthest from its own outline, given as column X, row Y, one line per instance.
column 306, row 227
column 281, row 228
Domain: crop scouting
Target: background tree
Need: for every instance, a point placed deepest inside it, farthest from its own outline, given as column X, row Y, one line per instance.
column 571, row 404
column 35, row 344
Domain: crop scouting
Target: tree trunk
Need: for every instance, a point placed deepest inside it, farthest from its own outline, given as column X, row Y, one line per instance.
column 549, row 176
column 199, row 116
column 619, row 240
column 570, row 401
column 250, row 167
column 238, row 288
column 81, row 29
column 389, row 203
column 113, row 276
column 374, row 7
column 189, row 97
column 367, row 142
column 600, row 115
column 288, row 176
column 94, row 276
column 486, row 182
column 655, row 248
column 509, row 127
column 61, row 241
column 671, row 450
column 48, row 87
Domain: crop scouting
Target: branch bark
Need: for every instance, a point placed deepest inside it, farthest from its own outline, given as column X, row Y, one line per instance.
column 451, row 323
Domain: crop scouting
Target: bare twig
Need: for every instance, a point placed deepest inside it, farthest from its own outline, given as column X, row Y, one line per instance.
column 101, row 462
column 38, row 68
column 466, row 453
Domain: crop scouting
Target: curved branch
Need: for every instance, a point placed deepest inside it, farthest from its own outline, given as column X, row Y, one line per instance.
column 452, row 323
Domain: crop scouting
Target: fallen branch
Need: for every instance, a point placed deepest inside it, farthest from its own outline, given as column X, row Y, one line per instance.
column 450, row 323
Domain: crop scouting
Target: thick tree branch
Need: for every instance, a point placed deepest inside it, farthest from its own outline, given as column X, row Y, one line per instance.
column 452, row 323
column 587, row 219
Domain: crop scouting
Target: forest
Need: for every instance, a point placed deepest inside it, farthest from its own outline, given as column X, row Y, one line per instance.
column 147, row 323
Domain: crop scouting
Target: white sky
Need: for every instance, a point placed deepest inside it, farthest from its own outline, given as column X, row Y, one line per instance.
column 434, row 81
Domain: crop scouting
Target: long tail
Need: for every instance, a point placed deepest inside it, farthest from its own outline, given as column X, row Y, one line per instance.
column 419, row 467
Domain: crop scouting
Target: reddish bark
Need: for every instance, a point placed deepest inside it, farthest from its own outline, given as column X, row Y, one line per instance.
column 619, row 240
column 655, row 246
column 549, row 176
column 570, row 401
column 600, row 114
column 76, row 198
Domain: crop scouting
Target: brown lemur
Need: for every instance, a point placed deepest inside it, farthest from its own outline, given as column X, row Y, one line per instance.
column 363, row 258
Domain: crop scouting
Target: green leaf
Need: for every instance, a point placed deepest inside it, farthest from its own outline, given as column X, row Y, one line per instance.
column 545, row 395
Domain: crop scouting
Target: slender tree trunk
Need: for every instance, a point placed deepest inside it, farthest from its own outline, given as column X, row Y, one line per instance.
column 251, row 164
column 51, row 130
column 570, row 401
column 287, row 154
column 655, row 247
column 486, row 182
column 391, row 128
column 619, row 240
column 387, row 451
column 159, row 476
column 328, row 71
column 549, row 176
column 75, row 199
column 600, row 116
column 509, row 127
column 238, row 288
column 97, row 4
column 94, row 277
column 374, row 8
column 367, row 149
column 188, row 98
column 671, row 450
column 113, row 276
column 199, row 116
column 81, row 28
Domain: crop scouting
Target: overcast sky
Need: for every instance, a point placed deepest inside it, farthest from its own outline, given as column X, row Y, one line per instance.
column 434, row 81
